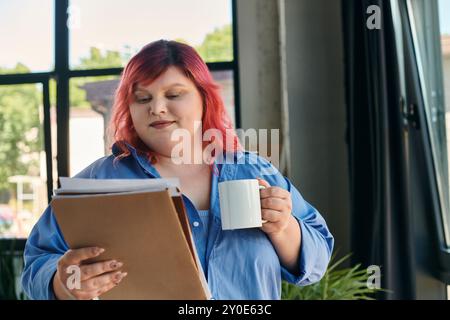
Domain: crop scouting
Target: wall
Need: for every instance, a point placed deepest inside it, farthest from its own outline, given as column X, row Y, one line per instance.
column 315, row 82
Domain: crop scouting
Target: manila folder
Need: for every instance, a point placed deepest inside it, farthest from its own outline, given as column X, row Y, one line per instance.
column 144, row 231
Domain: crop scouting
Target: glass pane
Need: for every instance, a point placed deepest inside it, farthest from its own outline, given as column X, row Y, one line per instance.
column 129, row 25
column 26, row 35
column 23, row 177
column 430, row 28
column 444, row 18
column 226, row 82
column 91, row 101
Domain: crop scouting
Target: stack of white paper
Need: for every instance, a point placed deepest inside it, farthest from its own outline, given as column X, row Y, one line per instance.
column 96, row 186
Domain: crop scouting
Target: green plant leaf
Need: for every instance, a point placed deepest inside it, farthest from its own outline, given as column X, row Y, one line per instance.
column 336, row 284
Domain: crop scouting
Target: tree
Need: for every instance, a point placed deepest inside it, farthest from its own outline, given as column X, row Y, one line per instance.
column 95, row 60
column 20, row 129
column 217, row 45
column 21, row 132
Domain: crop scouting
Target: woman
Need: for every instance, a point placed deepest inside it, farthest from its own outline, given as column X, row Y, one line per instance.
column 164, row 88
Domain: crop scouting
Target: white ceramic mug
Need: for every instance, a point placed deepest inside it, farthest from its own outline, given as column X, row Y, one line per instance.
column 240, row 204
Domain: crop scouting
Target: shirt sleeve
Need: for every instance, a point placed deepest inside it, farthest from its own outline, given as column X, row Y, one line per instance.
column 317, row 242
column 43, row 248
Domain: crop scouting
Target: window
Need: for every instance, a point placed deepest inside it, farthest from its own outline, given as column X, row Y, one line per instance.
column 129, row 25
column 23, row 176
column 430, row 22
column 91, row 101
column 73, row 66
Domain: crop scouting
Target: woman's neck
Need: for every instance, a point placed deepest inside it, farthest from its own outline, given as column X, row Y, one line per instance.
column 176, row 164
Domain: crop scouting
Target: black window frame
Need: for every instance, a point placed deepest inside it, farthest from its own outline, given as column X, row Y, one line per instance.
column 422, row 159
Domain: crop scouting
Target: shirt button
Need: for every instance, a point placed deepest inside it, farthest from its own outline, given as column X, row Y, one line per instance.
column 196, row 224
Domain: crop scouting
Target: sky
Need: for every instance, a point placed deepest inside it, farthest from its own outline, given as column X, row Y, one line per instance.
column 444, row 16
column 26, row 26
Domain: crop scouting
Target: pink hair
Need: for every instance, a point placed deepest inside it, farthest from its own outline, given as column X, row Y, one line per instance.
column 147, row 65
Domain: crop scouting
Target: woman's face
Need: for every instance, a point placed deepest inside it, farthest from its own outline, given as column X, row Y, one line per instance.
column 170, row 102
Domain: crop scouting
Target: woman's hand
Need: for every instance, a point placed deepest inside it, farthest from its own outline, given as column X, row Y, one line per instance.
column 281, row 227
column 276, row 206
column 94, row 278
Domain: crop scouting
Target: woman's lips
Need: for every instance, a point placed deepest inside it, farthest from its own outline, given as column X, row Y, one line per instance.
column 161, row 125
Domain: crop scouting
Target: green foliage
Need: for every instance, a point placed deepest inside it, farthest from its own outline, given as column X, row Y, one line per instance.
column 19, row 68
column 21, row 133
column 217, row 45
column 95, row 60
column 20, row 129
column 181, row 40
column 336, row 284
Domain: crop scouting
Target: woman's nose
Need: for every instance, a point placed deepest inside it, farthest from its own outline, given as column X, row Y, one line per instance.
column 158, row 106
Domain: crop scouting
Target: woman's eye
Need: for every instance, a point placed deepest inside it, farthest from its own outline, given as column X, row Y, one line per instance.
column 173, row 95
column 143, row 100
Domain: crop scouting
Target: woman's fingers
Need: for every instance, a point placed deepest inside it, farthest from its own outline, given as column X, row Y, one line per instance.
column 274, row 192
column 89, row 295
column 271, row 227
column 76, row 256
column 263, row 183
column 94, row 269
column 95, row 278
column 275, row 204
column 102, row 280
column 270, row 215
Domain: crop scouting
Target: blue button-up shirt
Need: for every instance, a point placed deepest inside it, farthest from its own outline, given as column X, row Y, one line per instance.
column 238, row 264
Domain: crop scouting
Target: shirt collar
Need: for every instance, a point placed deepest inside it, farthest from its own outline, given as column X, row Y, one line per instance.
column 226, row 160
column 140, row 158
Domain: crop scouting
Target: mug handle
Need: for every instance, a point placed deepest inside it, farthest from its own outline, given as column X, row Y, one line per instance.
column 262, row 187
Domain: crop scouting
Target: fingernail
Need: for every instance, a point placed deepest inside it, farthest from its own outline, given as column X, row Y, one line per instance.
column 119, row 264
column 100, row 250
